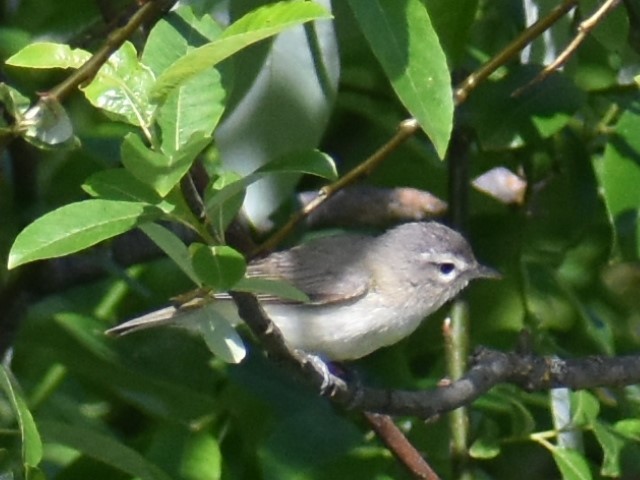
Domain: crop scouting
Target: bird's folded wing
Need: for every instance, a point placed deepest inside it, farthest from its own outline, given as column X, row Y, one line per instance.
column 329, row 270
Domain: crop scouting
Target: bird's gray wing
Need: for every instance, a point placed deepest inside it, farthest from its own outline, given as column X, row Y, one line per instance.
column 329, row 269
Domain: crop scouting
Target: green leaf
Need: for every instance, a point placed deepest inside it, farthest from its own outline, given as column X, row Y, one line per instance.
column 452, row 25
column 486, row 446
column 257, row 25
column 102, row 448
column 49, row 55
column 162, row 171
column 87, row 353
column 221, row 214
column 572, row 464
column 198, row 104
column 170, row 244
column 174, row 35
column 77, row 226
column 404, row 41
column 31, row 443
column 184, row 453
column 629, row 427
column 274, row 288
column 219, row 267
column 612, row 446
column 119, row 184
column 193, row 108
column 522, row 421
column 220, row 336
column 619, row 176
column 121, row 88
column 505, row 122
column 585, row 407
column 13, row 101
column 312, row 162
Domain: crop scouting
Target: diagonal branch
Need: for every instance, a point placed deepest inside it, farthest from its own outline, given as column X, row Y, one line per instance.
column 152, row 9
column 489, row 368
column 584, row 29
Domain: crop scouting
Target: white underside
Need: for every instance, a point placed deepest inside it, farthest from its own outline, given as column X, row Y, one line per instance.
column 338, row 332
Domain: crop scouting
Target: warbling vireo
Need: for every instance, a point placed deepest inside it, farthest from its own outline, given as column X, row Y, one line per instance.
column 365, row 292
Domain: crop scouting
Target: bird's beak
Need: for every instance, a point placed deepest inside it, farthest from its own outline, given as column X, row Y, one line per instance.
column 486, row 272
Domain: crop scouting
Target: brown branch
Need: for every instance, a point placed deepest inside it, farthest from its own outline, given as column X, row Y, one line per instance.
column 368, row 206
column 488, row 369
column 525, row 38
column 584, row 29
column 150, row 10
column 400, row 446
column 405, row 131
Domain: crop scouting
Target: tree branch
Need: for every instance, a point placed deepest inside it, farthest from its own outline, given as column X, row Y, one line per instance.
column 400, row 446
column 584, row 29
column 488, row 369
column 150, row 10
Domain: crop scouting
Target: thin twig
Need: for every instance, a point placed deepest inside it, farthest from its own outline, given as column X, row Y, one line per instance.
column 584, row 29
column 406, row 129
column 526, row 37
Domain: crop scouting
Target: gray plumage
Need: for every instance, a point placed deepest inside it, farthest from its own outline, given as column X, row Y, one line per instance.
column 365, row 292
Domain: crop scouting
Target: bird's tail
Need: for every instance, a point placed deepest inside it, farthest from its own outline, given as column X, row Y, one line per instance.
column 158, row 318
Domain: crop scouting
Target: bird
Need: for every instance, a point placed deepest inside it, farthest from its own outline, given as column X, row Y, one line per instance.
column 365, row 292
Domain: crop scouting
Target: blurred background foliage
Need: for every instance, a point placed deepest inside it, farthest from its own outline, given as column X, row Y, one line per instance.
column 157, row 405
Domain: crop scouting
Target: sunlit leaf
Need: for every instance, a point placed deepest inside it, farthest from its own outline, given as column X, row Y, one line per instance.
column 195, row 107
column 311, row 162
column 77, row 226
column 162, row 171
column 629, row 427
column 572, row 464
column 174, row 35
column 119, row 184
column 257, row 25
column 49, row 55
column 404, row 41
column 121, row 88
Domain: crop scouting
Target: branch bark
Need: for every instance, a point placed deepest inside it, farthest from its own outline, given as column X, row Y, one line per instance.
column 488, row 368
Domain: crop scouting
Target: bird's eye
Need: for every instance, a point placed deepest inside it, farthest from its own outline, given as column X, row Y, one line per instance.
column 446, row 268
